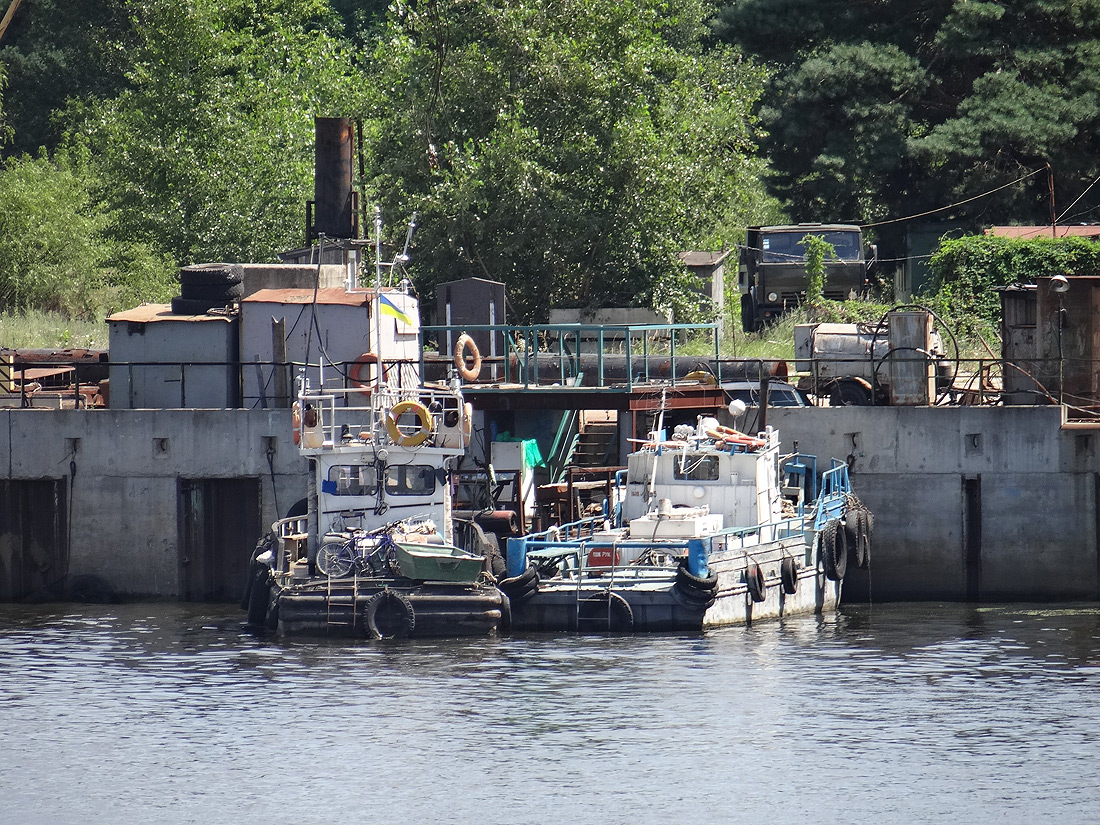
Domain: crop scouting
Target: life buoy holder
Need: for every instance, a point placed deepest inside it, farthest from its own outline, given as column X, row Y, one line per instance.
column 411, row 439
column 467, row 423
column 464, row 347
column 754, row 579
column 296, row 418
column 356, row 377
column 396, row 609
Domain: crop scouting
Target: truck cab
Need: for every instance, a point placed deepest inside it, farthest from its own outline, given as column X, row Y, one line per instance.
column 772, row 268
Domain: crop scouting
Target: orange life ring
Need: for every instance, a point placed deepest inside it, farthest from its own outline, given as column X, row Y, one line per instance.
column 358, row 365
column 463, row 345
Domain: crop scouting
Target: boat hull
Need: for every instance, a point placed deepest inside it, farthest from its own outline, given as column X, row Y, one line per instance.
column 647, row 602
column 373, row 608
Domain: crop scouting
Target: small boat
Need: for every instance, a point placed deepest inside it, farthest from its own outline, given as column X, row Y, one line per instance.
column 712, row 527
column 377, row 550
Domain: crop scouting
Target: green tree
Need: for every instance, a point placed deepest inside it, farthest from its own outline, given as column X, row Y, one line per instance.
column 208, row 152
column 55, row 251
column 56, row 50
column 971, row 96
column 569, row 151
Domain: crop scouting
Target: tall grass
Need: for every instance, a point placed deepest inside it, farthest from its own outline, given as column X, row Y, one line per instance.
column 50, row 330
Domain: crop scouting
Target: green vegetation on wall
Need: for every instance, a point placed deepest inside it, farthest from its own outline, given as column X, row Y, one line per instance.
column 965, row 271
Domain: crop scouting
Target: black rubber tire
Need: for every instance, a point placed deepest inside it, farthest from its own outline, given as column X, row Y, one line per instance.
column 869, row 532
column 505, row 613
column 211, row 274
column 689, row 581
column 833, row 549
column 259, row 597
column 189, row 306
column 788, row 575
column 750, row 318
column 378, row 621
column 855, row 530
column 695, row 599
column 610, row 609
column 849, row 394
column 521, row 582
column 754, row 579
column 226, row 294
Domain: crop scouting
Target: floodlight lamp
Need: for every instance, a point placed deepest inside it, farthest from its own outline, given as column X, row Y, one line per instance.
column 1059, row 284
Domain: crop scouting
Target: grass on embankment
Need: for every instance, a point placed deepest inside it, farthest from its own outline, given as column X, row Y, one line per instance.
column 50, row 330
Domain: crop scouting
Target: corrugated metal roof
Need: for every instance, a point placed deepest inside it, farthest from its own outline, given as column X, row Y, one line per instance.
column 1083, row 231
column 148, row 313
column 305, row 296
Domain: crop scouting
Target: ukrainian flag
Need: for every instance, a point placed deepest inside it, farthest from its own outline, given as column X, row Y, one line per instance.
column 388, row 307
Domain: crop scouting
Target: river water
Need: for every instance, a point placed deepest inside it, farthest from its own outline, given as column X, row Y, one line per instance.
column 892, row 714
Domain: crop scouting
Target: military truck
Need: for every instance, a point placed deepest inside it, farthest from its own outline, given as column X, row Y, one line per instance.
column 772, row 268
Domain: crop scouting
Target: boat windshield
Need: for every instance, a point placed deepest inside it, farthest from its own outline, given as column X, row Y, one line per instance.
column 410, row 480
column 696, row 467
column 352, row 480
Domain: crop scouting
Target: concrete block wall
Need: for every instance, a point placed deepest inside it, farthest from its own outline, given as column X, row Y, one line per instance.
column 1035, row 486
column 128, row 463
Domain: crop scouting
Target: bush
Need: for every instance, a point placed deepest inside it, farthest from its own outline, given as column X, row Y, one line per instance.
column 965, row 271
column 56, row 253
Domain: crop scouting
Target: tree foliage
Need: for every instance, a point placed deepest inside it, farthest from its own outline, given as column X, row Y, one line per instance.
column 569, row 150
column 207, row 153
column 897, row 107
column 55, row 249
column 967, row 270
column 817, row 250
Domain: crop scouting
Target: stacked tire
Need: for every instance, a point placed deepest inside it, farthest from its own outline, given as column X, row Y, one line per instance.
column 693, row 592
column 208, row 286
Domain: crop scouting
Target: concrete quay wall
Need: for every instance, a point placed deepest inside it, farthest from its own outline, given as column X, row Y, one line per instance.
column 994, row 503
column 122, row 472
column 969, row 503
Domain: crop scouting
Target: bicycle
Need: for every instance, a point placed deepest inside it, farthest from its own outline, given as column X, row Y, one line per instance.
column 371, row 554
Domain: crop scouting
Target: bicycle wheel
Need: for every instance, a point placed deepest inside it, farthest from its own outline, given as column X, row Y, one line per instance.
column 336, row 560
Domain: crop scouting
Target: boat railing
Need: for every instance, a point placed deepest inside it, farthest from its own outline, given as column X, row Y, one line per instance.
column 547, row 354
column 835, row 489
column 570, row 548
column 359, row 414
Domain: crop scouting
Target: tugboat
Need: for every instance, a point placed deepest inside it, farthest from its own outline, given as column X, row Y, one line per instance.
column 710, row 528
column 377, row 550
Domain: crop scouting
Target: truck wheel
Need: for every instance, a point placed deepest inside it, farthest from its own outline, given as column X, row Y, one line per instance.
column 750, row 320
column 849, row 394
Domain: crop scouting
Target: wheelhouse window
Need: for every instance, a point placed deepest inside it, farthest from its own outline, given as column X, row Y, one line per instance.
column 410, row 480
column 353, row 480
column 696, row 467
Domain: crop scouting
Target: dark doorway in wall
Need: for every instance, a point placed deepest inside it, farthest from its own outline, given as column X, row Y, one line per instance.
column 972, row 536
column 219, row 523
column 34, row 546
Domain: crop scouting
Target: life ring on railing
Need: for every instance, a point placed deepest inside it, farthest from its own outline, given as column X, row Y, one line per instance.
column 389, row 615
column 465, row 346
column 296, row 418
column 358, row 365
column 754, row 579
column 412, row 439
